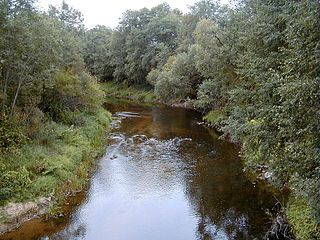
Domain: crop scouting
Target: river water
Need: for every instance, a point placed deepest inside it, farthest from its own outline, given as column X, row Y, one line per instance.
column 163, row 176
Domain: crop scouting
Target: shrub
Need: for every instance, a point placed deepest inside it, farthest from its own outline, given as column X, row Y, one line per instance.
column 214, row 117
column 178, row 78
column 11, row 136
column 13, row 183
column 72, row 91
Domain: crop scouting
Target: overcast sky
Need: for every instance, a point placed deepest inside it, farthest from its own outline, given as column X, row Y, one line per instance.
column 107, row 13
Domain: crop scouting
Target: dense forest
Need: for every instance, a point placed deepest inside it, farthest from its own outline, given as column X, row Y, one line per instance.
column 251, row 67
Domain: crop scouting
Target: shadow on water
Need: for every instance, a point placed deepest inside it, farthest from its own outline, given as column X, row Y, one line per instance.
column 163, row 177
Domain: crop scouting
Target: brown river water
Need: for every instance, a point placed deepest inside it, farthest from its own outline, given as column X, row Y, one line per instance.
column 164, row 177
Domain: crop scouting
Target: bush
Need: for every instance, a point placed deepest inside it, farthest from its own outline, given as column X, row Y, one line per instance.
column 152, row 77
column 72, row 91
column 209, row 95
column 13, row 183
column 214, row 117
column 177, row 79
column 11, row 136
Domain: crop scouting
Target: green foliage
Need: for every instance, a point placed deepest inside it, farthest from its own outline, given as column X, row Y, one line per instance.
column 33, row 47
column 152, row 77
column 137, row 93
column 214, row 117
column 27, row 58
column 274, row 108
column 143, row 41
column 44, row 165
column 178, row 78
column 257, row 63
column 11, row 136
column 71, row 18
column 13, row 184
column 72, row 91
column 208, row 44
column 254, row 68
column 97, row 52
column 204, row 60
column 300, row 216
column 201, row 10
column 214, row 64
column 206, row 9
column 52, row 125
column 209, row 95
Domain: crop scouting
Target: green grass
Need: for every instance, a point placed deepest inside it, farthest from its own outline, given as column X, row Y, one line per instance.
column 137, row 93
column 56, row 161
column 300, row 217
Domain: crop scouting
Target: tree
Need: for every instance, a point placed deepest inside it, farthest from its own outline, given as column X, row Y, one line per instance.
column 97, row 52
column 118, row 53
column 275, row 105
column 149, row 37
column 178, row 78
column 28, row 55
column 204, row 9
column 213, row 62
column 72, row 18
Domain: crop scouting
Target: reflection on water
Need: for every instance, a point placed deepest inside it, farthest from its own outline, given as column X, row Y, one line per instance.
column 165, row 177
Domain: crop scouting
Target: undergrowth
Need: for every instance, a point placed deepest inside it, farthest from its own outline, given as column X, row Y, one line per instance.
column 213, row 117
column 139, row 93
column 303, row 222
column 57, row 159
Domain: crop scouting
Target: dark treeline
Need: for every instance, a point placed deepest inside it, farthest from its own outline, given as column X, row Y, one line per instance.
column 252, row 67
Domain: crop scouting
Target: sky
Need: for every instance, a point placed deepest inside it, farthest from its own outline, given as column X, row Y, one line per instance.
column 105, row 12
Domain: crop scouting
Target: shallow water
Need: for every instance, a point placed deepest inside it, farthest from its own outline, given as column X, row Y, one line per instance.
column 163, row 176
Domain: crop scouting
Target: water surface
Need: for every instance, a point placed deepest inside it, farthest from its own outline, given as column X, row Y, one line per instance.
column 163, row 176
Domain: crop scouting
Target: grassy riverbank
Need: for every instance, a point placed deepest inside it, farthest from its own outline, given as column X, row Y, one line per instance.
column 136, row 93
column 56, row 161
column 47, row 149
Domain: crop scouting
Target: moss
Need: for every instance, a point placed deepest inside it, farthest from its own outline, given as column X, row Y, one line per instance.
column 138, row 93
column 304, row 224
column 58, row 159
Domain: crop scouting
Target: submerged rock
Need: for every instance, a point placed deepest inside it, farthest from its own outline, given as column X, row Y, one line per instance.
column 14, row 214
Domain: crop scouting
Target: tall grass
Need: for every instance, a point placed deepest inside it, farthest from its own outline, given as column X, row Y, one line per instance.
column 57, row 159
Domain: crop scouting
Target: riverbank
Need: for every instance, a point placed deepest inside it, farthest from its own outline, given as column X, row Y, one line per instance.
column 135, row 93
column 39, row 175
column 139, row 94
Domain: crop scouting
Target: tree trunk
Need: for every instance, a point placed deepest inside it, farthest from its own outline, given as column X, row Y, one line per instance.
column 4, row 94
column 15, row 100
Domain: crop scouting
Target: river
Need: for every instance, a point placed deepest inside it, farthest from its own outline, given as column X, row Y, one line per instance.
column 163, row 176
